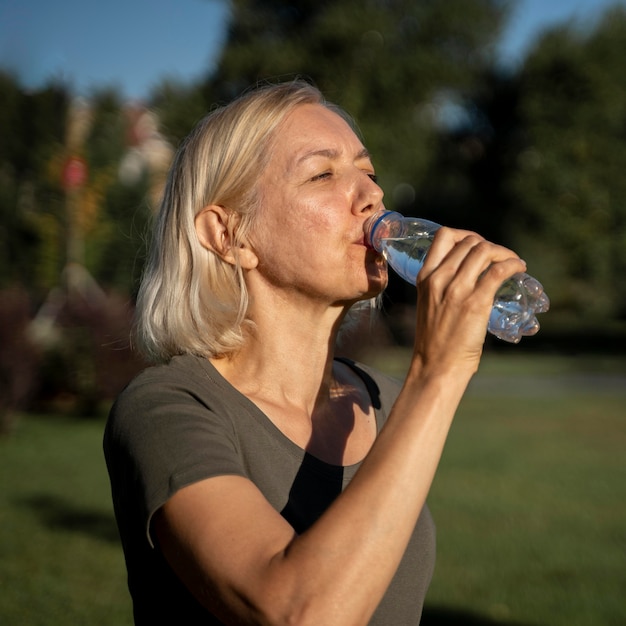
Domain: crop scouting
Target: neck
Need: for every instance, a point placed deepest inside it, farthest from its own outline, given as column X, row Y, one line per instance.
column 286, row 368
column 287, row 357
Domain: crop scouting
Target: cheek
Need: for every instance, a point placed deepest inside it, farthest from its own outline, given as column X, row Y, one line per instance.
column 299, row 223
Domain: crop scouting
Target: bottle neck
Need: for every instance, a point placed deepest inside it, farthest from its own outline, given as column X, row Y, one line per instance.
column 378, row 226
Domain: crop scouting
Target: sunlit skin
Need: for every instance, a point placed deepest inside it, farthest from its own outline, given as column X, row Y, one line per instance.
column 304, row 264
column 316, row 194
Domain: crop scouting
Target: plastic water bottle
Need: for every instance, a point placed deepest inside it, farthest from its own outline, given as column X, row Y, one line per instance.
column 404, row 242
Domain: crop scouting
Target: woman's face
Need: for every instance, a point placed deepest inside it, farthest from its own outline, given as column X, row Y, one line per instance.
column 315, row 196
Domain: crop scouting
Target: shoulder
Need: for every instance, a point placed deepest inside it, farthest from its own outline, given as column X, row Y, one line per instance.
column 172, row 426
column 185, row 368
column 184, row 375
column 168, row 418
column 169, row 400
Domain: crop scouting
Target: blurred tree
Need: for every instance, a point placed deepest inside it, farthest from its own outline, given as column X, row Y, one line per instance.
column 32, row 127
column 114, row 208
column 178, row 107
column 476, row 154
column 392, row 64
column 570, row 185
column 532, row 159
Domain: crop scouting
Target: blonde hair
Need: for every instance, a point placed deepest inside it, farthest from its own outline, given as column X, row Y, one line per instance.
column 190, row 300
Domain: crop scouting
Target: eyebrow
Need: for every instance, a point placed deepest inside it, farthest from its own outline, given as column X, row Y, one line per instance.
column 330, row 154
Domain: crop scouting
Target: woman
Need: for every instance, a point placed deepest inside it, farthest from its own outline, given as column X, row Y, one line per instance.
column 256, row 479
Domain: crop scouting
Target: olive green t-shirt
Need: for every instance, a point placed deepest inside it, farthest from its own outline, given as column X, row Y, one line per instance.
column 182, row 422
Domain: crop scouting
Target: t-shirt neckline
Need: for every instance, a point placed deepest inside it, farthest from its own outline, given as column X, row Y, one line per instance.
column 260, row 416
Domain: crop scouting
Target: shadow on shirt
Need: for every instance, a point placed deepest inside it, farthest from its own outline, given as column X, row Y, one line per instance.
column 315, row 487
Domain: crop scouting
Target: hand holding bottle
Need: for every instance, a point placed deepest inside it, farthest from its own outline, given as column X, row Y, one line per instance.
column 404, row 242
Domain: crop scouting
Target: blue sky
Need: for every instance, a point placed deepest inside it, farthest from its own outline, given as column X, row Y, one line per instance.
column 132, row 44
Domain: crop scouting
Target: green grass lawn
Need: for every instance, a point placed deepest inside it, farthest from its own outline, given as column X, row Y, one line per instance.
column 529, row 500
column 60, row 557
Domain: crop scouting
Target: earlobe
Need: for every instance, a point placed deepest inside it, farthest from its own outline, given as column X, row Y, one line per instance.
column 212, row 229
column 248, row 260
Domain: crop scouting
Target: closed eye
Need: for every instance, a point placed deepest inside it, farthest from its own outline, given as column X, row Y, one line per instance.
column 374, row 177
column 321, row 176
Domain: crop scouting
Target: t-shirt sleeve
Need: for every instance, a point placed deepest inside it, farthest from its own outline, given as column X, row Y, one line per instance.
column 164, row 433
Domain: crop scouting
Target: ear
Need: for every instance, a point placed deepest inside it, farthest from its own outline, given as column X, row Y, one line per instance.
column 212, row 229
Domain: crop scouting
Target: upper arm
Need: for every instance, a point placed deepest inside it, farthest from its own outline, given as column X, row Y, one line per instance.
column 220, row 536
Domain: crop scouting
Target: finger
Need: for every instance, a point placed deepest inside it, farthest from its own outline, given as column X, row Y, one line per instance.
column 449, row 245
column 466, row 251
column 484, row 255
column 493, row 277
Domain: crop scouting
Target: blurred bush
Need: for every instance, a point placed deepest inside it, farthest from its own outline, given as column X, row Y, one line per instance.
column 73, row 356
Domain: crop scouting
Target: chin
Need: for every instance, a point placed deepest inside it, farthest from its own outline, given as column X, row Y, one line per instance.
column 374, row 288
column 375, row 285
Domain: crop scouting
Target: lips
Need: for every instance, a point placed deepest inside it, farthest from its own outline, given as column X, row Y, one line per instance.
column 361, row 240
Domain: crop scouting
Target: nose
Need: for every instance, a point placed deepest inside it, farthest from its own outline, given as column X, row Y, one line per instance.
column 369, row 197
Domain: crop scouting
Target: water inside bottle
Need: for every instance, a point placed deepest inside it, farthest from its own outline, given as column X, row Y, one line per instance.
column 517, row 301
column 405, row 254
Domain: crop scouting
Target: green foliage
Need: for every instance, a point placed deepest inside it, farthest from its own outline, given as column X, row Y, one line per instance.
column 535, row 162
column 106, row 141
column 179, row 108
column 570, row 181
column 32, row 128
column 386, row 63
column 117, row 212
column 106, row 216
